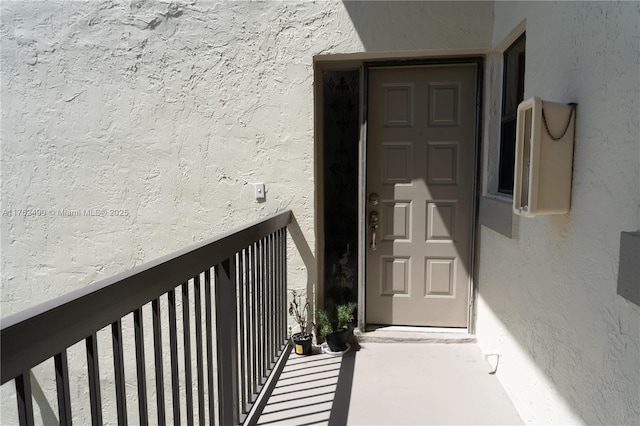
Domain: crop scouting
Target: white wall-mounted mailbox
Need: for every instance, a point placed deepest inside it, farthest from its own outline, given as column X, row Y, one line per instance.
column 544, row 158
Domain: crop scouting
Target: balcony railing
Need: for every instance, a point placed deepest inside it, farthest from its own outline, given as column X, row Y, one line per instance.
column 232, row 288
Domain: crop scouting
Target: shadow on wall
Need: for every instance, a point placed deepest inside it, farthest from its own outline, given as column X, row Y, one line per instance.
column 307, row 257
column 39, row 397
column 417, row 25
column 545, row 339
column 435, row 25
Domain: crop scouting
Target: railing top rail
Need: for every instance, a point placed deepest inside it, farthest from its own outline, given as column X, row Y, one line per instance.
column 36, row 334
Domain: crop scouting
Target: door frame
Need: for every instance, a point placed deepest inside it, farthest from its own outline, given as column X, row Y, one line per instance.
column 363, row 62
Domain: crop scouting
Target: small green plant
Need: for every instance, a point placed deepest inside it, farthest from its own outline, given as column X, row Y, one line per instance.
column 323, row 323
column 335, row 318
column 299, row 310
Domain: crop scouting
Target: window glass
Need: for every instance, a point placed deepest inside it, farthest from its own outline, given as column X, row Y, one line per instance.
column 512, row 95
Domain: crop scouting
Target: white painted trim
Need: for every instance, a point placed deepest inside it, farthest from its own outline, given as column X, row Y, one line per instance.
column 515, row 33
column 494, row 57
column 493, row 203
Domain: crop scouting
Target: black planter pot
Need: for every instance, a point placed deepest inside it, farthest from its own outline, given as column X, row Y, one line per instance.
column 337, row 341
column 302, row 343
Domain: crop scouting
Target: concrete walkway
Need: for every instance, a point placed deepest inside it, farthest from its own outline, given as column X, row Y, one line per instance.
column 390, row 384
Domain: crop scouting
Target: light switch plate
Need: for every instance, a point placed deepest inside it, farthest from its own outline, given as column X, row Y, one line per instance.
column 259, row 187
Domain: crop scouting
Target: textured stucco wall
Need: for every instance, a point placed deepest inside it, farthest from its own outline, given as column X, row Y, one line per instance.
column 169, row 112
column 569, row 345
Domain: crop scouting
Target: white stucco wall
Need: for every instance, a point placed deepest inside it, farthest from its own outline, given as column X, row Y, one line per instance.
column 169, row 112
column 570, row 347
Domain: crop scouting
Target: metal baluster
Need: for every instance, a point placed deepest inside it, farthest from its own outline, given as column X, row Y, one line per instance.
column 62, row 385
column 186, row 328
column 93, row 371
column 255, row 343
column 248, row 330
column 208, row 329
column 269, row 303
column 242, row 282
column 274, row 299
column 118, row 366
column 140, row 367
column 259, row 318
column 263, row 313
column 282, row 292
column 276, row 265
column 25, row 400
column 157, row 346
column 173, row 344
column 199, row 361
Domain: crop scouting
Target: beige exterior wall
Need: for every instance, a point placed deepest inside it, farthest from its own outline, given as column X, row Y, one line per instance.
column 171, row 112
column 569, row 345
column 168, row 113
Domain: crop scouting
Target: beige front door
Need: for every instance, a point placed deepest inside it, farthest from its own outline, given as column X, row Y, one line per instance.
column 420, row 185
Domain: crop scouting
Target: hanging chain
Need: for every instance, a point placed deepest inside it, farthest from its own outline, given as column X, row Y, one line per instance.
column 564, row 132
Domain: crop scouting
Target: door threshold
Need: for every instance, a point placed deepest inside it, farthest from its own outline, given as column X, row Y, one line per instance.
column 400, row 334
column 416, row 329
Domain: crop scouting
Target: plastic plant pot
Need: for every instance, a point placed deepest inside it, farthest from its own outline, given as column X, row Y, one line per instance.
column 302, row 343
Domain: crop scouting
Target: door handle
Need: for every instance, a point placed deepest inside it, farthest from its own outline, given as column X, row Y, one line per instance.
column 373, row 222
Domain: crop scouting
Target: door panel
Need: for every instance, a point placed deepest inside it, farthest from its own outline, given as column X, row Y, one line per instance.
column 420, row 163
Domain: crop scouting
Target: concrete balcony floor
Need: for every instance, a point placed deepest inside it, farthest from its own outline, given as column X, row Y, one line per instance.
column 390, row 384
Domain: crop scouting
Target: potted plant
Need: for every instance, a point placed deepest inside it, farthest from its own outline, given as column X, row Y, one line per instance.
column 299, row 310
column 333, row 323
